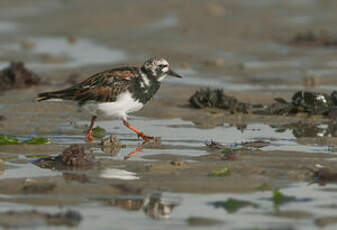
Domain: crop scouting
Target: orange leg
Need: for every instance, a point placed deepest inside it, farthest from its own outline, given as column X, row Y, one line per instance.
column 88, row 135
column 145, row 137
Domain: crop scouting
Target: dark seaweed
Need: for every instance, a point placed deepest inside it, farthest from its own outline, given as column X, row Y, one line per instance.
column 17, row 76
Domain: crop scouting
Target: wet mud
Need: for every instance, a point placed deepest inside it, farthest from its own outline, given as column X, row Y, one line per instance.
column 238, row 159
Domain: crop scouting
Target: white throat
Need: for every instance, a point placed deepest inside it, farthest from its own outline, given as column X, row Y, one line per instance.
column 162, row 77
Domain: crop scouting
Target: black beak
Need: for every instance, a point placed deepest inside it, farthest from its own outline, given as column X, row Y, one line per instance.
column 174, row 74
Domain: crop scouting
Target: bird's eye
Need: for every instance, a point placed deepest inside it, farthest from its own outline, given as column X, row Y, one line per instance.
column 162, row 66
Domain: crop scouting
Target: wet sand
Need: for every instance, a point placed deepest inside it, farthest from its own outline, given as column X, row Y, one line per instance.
column 248, row 58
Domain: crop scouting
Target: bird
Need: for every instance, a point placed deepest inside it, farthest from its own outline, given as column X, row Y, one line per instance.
column 116, row 92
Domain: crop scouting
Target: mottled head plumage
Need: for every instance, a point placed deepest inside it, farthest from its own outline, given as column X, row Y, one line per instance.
column 158, row 68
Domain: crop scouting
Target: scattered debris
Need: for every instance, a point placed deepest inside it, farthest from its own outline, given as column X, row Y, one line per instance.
column 178, row 163
column 31, row 185
column 255, row 144
column 213, row 145
column 202, row 221
column 17, row 76
column 323, row 174
column 228, row 154
column 302, row 102
column 37, row 141
column 310, row 38
column 111, row 145
column 220, row 172
column 7, row 140
column 231, row 156
column 33, row 219
column 233, row 205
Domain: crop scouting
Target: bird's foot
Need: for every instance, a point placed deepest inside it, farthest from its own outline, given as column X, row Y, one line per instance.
column 145, row 137
column 88, row 137
column 149, row 139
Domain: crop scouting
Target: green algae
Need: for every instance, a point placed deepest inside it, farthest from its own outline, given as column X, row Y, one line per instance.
column 7, row 140
column 37, row 141
column 98, row 132
column 279, row 198
column 220, row 172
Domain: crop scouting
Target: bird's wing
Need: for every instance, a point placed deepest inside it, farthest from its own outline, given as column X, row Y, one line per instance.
column 101, row 87
column 104, row 86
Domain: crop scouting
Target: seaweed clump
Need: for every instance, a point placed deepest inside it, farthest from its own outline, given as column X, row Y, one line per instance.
column 72, row 157
column 75, row 156
column 312, row 103
column 311, row 38
column 17, row 76
column 216, row 98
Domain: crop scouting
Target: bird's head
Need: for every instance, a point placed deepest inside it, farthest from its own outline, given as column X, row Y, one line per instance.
column 159, row 68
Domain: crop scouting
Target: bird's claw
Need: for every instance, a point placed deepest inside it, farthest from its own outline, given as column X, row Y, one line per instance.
column 88, row 137
column 145, row 137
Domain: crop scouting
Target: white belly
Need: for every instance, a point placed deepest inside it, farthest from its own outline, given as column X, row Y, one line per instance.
column 120, row 108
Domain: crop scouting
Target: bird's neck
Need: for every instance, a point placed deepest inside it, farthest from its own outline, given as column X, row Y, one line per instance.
column 144, row 87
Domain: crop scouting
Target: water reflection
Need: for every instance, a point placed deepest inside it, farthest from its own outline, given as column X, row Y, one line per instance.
column 298, row 129
column 308, row 130
column 155, row 205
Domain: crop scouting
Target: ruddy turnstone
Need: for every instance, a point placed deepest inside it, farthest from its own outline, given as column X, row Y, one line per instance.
column 116, row 92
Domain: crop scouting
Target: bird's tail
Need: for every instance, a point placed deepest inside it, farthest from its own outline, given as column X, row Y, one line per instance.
column 61, row 94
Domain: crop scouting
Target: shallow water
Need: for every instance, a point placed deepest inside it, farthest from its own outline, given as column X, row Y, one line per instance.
column 254, row 56
column 184, row 138
column 170, row 210
column 187, row 137
column 13, row 170
column 65, row 54
column 8, row 27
